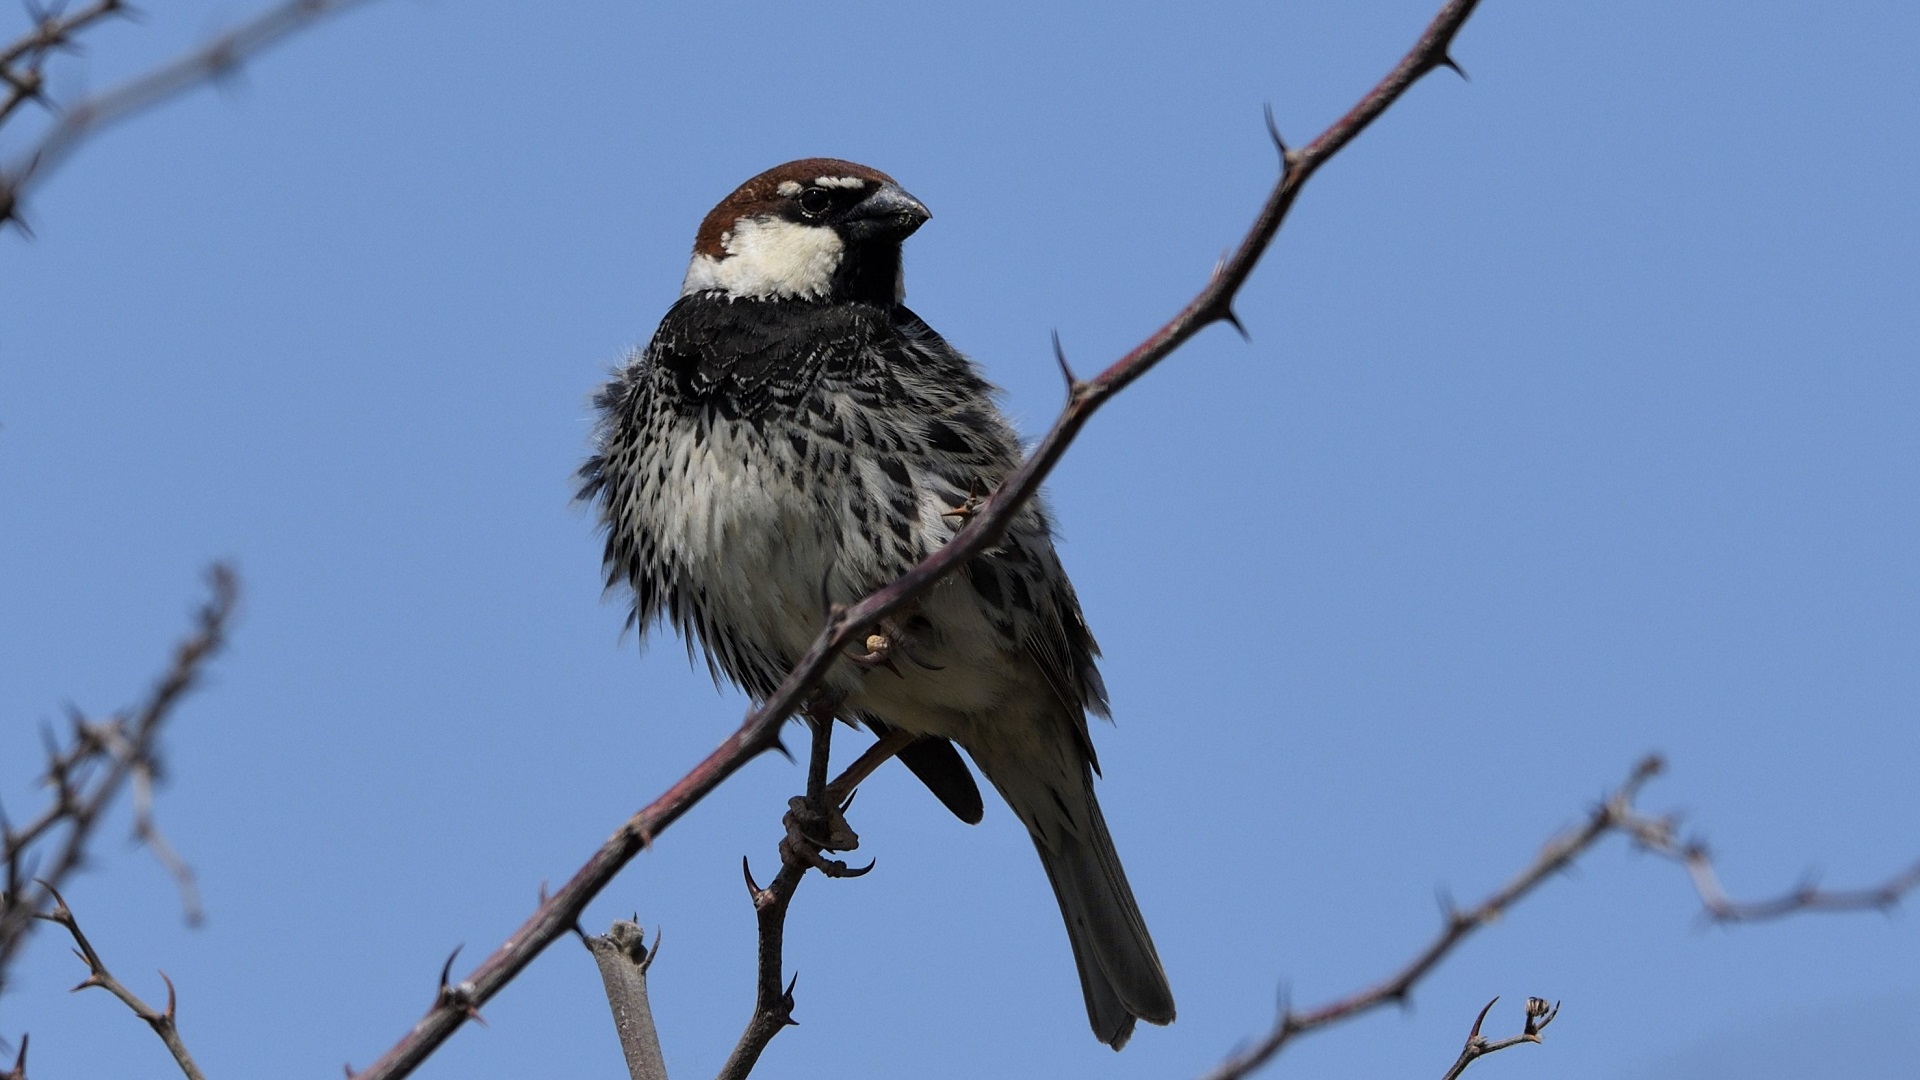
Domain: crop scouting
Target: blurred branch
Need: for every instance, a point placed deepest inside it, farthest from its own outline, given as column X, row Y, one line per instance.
column 22, row 62
column 162, row 1021
column 88, row 773
column 219, row 57
column 760, row 731
column 623, row 959
column 1616, row 814
column 1539, row 1015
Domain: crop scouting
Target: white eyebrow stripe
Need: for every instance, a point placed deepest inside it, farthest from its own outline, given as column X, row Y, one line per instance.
column 838, row 181
column 789, row 188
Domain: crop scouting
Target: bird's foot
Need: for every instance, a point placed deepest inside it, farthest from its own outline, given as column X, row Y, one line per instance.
column 809, row 833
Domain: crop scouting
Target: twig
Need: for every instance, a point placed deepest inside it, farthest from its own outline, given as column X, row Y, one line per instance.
column 88, row 774
column 20, row 62
column 1616, row 814
column 217, row 58
column 623, row 959
column 760, row 730
column 1539, row 1015
column 162, row 1021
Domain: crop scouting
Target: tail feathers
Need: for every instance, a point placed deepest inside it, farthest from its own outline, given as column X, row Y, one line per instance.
column 1120, row 972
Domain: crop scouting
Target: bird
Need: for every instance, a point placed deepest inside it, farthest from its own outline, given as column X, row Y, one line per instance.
column 794, row 436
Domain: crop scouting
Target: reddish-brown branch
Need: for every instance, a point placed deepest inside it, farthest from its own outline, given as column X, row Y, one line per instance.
column 1615, row 815
column 983, row 528
column 160, row 1020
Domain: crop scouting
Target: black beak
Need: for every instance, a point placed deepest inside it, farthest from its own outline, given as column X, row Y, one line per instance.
column 889, row 214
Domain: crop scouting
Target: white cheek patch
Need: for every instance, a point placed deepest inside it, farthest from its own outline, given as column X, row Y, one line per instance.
column 767, row 258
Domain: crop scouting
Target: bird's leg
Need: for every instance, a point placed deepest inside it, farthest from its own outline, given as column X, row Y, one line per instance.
column 883, row 748
column 814, row 821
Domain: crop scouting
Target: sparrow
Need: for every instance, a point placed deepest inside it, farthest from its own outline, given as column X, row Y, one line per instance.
column 794, row 436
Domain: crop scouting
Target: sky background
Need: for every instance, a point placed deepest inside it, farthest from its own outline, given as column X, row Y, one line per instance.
column 1578, row 422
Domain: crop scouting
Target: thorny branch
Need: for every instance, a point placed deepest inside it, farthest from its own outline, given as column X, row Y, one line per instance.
column 161, row 1020
column 89, row 772
column 1616, row 814
column 218, row 58
column 22, row 63
column 814, row 823
column 760, row 732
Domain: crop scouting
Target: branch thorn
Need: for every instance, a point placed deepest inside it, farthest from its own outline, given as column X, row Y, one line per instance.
column 1060, row 356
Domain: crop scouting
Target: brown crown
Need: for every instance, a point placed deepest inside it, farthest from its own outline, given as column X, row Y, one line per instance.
column 761, row 195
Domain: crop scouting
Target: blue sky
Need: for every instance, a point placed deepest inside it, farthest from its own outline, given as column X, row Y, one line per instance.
column 1577, row 422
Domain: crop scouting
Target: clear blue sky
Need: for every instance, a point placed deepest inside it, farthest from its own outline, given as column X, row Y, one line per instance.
column 1578, row 421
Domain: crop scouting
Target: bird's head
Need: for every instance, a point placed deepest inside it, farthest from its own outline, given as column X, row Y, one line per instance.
column 813, row 229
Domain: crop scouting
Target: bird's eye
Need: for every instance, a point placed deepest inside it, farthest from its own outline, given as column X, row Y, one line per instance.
column 815, row 201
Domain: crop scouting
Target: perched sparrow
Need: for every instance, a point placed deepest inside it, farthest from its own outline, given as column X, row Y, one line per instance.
column 794, row 434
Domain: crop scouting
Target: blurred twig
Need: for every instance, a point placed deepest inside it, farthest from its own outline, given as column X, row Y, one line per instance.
column 1616, row 814
column 760, row 731
column 22, row 63
column 89, row 771
column 161, row 1020
column 218, row 57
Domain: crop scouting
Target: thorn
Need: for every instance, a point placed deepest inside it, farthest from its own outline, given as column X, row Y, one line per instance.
column 1231, row 319
column 20, row 1061
column 172, row 999
column 1447, row 62
column 1482, row 1018
column 349, row 1068
column 753, row 888
column 659, row 933
column 1066, row 371
column 849, row 802
column 780, row 745
column 1280, row 144
column 446, row 969
column 543, row 893
column 473, row 1014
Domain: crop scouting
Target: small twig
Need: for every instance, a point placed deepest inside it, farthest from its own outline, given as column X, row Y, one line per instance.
column 1539, row 1015
column 1616, row 814
column 161, row 1020
column 759, row 732
column 1658, row 835
column 96, row 763
column 217, row 58
column 623, row 959
column 20, row 62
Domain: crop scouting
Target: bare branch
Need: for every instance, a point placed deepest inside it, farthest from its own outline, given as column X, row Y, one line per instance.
column 161, row 1020
column 1616, row 814
column 623, row 959
column 1539, row 1015
column 20, row 62
column 88, row 773
column 217, row 58
column 759, row 732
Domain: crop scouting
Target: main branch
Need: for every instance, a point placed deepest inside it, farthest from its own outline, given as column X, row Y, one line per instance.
column 845, row 626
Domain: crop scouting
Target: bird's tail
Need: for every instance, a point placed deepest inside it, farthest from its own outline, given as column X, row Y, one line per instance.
column 1120, row 972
